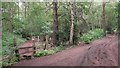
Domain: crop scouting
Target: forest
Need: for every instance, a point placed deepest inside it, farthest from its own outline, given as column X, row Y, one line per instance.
column 33, row 30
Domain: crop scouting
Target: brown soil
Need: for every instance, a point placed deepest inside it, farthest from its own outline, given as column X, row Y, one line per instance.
column 102, row 52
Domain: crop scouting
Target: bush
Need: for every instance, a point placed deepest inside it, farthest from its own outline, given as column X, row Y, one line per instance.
column 59, row 48
column 10, row 61
column 96, row 33
column 48, row 52
column 86, row 38
column 7, row 42
column 7, row 47
column 44, row 53
column 7, row 39
column 91, row 35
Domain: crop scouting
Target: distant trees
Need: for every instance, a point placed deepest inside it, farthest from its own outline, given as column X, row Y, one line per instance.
column 65, row 21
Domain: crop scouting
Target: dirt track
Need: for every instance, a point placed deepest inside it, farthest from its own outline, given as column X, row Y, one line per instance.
column 103, row 52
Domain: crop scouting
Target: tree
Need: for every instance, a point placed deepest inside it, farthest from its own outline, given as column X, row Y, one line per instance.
column 55, row 36
column 119, row 17
column 18, row 9
column 104, row 25
column 10, row 19
column 72, row 23
column 24, row 8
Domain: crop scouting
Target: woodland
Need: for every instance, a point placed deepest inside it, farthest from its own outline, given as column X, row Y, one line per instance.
column 54, row 27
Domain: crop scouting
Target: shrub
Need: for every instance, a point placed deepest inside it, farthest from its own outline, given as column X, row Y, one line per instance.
column 59, row 48
column 48, row 52
column 86, row 38
column 44, row 53
column 91, row 35
column 7, row 39
column 7, row 47
column 96, row 33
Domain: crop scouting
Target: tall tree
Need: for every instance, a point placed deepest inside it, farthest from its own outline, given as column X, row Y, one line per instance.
column 72, row 22
column 18, row 8
column 55, row 23
column 25, row 8
column 119, row 18
column 10, row 18
column 104, row 24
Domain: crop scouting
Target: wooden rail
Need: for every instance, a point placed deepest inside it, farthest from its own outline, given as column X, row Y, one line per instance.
column 17, row 49
column 25, row 47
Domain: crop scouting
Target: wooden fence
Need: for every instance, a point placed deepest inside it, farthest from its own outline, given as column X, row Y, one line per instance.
column 31, row 50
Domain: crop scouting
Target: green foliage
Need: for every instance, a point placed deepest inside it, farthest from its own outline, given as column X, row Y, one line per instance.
column 10, row 61
column 49, row 52
column 7, row 42
column 59, row 48
column 18, row 25
column 38, row 22
column 44, row 53
column 96, row 33
column 7, row 39
column 7, row 47
column 39, row 19
column 91, row 35
column 64, row 21
column 86, row 38
column 111, row 13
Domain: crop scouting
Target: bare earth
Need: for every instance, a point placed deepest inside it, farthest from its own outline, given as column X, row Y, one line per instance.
column 102, row 52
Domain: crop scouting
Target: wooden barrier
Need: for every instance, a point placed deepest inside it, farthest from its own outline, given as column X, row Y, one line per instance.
column 31, row 50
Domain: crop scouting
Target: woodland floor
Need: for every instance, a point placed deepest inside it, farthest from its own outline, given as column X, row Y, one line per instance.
column 102, row 52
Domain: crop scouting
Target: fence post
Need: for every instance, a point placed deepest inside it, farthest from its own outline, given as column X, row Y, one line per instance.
column 46, row 42
column 34, row 48
column 16, row 49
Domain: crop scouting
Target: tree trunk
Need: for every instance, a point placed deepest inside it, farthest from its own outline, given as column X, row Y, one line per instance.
column 10, row 19
column 25, row 8
column 46, row 42
column 18, row 9
column 28, row 8
column 0, row 26
column 72, row 22
column 55, row 24
column 118, row 19
column 104, row 25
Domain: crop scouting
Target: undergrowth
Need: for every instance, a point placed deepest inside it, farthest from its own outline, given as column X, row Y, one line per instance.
column 8, row 47
column 49, row 52
column 92, row 35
